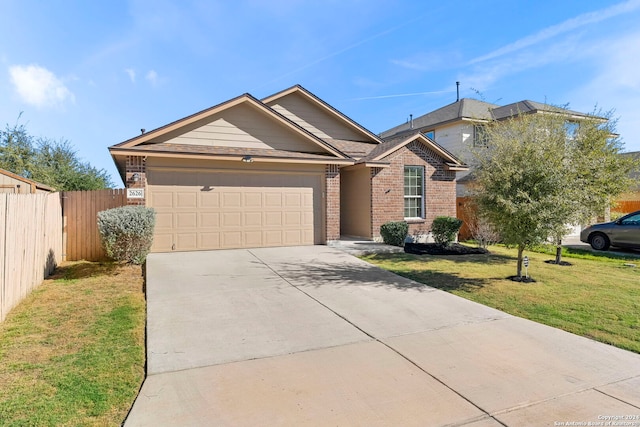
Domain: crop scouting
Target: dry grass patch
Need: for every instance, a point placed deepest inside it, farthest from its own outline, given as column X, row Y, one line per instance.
column 72, row 353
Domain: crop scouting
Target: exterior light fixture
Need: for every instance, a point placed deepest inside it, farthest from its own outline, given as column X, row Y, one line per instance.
column 135, row 177
column 247, row 159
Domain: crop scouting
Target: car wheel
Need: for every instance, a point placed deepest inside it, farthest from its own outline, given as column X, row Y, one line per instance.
column 599, row 242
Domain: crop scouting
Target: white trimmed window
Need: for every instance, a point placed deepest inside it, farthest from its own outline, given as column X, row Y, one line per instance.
column 480, row 138
column 414, row 192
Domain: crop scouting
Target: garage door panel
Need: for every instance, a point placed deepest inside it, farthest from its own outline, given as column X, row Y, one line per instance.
column 209, row 220
column 209, row 199
column 231, row 219
column 292, row 237
column 161, row 199
column 209, row 240
column 253, row 199
column 292, row 200
column 231, row 239
column 187, row 241
column 273, row 200
column 162, row 242
column 253, row 238
column 164, row 220
column 292, row 219
column 186, row 200
column 186, row 220
column 252, row 219
column 231, row 199
column 273, row 219
column 223, row 210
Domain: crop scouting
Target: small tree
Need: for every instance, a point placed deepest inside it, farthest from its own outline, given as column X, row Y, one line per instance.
column 127, row 232
column 444, row 229
column 533, row 178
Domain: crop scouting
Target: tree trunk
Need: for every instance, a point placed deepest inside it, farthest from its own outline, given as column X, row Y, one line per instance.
column 558, row 251
column 520, row 251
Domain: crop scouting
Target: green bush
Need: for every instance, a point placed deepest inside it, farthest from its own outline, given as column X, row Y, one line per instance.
column 444, row 229
column 394, row 232
column 127, row 232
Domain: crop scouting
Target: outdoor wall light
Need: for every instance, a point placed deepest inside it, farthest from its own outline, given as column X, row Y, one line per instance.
column 247, row 159
column 135, row 177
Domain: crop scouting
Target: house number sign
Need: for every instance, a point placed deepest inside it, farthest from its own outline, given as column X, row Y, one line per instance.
column 135, row 193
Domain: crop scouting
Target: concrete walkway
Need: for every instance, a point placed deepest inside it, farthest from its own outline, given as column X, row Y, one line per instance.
column 314, row 336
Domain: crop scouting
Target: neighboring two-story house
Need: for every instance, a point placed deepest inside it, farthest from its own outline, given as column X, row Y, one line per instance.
column 457, row 127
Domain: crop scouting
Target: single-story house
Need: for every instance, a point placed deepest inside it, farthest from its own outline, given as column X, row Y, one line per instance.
column 14, row 183
column 288, row 169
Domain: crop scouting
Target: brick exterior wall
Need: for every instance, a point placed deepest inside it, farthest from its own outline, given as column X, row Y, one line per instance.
column 332, row 176
column 387, row 189
column 136, row 164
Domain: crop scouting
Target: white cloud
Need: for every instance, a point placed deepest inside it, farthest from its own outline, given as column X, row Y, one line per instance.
column 563, row 27
column 39, row 87
column 152, row 77
column 132, row 74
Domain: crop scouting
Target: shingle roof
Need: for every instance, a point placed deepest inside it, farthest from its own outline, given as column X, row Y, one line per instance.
column 465, row 108
column 355, row 149
column 473, row 109
column 526, row 106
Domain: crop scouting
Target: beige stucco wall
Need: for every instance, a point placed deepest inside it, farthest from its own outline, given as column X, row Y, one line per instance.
column 355, row 202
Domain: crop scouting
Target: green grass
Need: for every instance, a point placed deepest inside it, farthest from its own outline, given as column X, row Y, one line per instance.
column 597, row 297
column 72, row 353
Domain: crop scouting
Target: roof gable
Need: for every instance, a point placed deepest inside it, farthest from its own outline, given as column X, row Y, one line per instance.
column 242, row 122
column 27, row 181
column 389, row 146
column 316, row 116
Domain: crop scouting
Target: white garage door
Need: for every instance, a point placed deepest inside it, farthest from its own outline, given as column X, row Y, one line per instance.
column 204, row 210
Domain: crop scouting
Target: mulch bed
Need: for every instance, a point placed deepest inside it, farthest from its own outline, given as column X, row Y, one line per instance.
column 522, row 279
column 562, row 263
column 435, row 249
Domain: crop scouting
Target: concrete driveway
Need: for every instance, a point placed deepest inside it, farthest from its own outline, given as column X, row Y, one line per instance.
column 314, row 336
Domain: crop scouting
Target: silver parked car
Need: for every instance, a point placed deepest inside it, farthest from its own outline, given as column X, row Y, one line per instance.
column 623, row 232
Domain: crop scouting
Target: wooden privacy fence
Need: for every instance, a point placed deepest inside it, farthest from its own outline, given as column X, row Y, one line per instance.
column 30, row 244
column 80, row 228
column 627, row 206
column 465, row 211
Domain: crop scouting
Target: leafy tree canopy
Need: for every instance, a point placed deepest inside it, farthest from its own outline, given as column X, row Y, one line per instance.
column 540, row 172
column 50, row 162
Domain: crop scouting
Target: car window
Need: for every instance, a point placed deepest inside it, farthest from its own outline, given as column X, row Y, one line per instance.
column 632, row 220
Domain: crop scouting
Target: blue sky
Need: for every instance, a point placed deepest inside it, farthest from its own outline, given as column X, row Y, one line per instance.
column 96, row 72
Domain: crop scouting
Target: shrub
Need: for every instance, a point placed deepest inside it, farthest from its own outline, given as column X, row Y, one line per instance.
column 394, row 232
column 444, row 229
column 127, row 232
column 483, row 232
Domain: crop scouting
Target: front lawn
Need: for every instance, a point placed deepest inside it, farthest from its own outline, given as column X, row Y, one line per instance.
column 597, row 298
column 72, row 353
